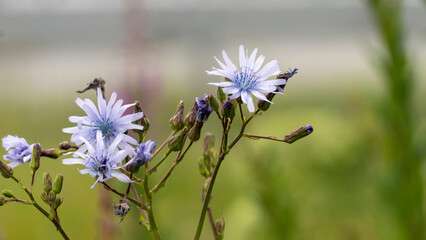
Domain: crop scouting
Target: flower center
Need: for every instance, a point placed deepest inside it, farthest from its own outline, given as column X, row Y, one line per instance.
column 246, row 78
column 102, row 165
column 107, row 129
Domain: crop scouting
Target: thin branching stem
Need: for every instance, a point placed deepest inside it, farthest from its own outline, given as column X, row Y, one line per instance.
column 109, row 188
column 169, row 172
column 216, row 170
column 148, row 206
column 212, row 225
column 161, row 146
column 55, row 220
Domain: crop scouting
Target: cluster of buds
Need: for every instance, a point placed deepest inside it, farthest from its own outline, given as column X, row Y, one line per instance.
column 50, row 192
column 191, row 125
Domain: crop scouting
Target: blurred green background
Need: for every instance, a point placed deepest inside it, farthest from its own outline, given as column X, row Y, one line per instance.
column 360, row 175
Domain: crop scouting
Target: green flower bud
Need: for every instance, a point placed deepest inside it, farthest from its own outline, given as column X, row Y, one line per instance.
column 51, row 197
column 228, row 110
column 65, row 145
column 35, row 157
column 176, row 122
column 208, row 143
column 8, row 193
column 57, row 184
column 47, row 182
column 143, row 121
column 44, row 197
column 202, row 167
column 264, row 105
column 213, row 103
column 176, row 141
column 5, row 170
column 298, row 134
column 220, row 95
column 220, row 228
column 194, row 133
column 2, row 201
column 191, row 116
column 58, row 202
column 51, row 153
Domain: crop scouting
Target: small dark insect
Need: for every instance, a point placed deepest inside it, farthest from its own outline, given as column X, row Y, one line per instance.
column 122, row 208
column 97, row 82
column 287, row 74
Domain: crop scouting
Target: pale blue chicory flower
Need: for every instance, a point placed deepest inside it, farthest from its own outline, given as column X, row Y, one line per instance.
column 247, row 79
column 101, row 160
column 18, row 150
column 108, row 119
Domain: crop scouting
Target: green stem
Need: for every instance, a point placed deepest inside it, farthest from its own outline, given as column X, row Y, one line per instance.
column 161, row 147
column 252, row 136
column 148, row 207
column 159, row 163
column 207, row 198
column 216, row 170
column 109, row 188
column 169, row 172
column 209, row 212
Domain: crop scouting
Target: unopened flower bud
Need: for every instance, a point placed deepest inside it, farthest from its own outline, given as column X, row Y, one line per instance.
column 51, row 197
column 194, row 133
column 213, row 103
column 122, row 208
column 5, row 170
column 204, row 109
column 65, row 145
column 44, row 197
column 35, row 157
column 191, row 116
column 228, row 110
column 2, row 201
column 220, row 95
column 176, row 141
column 264, row 105
column 8, row 193
column 220, row 228
column 47, row 182
column 58, row 202
column 51, row 153
column 298, row 134
column 57, row 184
column 208, row 143
column 144, row 122
column 203, row 167
column 176, row 122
